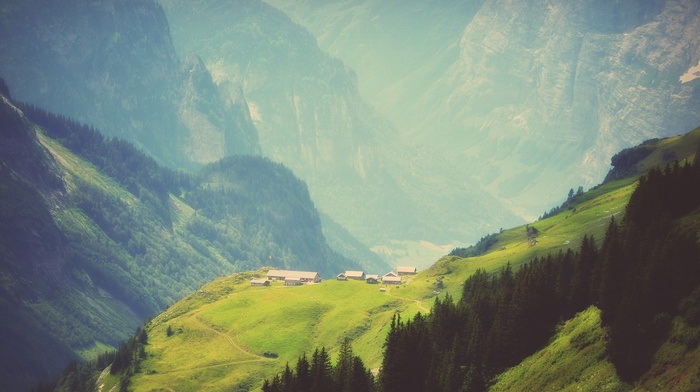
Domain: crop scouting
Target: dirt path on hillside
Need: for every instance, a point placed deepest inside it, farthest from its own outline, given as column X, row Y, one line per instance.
column 231, row 342
column 418, row 302
column 229, row 339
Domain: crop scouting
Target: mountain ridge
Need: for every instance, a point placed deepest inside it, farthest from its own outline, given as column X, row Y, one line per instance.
column 531, row 87
column 94, row 243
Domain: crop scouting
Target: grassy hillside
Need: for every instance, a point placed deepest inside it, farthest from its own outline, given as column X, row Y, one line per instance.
column 96, row 237
column 574, row 360
column 222, row 332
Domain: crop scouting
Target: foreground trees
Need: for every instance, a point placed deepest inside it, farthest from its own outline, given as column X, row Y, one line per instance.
column 646, row 272
column 348, row 375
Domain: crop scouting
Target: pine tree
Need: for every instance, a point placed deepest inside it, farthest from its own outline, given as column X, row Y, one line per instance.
column 343, row 368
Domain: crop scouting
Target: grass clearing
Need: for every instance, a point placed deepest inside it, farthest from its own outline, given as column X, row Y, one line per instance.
column 574, row 360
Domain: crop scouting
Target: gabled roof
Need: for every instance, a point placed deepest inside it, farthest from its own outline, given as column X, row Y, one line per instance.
column 259, row 281
column 391, row 273
column 293, row 274
column 354, row 274
column 391, row 279
column 375, row 277
column 406, row 269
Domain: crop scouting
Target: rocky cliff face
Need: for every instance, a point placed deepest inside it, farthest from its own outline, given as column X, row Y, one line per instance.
column 310, row 115
column 537, row 96
column 113, row 65
column 572, row 83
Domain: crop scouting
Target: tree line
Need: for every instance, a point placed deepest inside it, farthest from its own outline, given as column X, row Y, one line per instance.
column 348, row 375
column 645, row 273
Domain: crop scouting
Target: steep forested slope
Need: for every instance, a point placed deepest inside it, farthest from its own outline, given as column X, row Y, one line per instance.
column 96, row 236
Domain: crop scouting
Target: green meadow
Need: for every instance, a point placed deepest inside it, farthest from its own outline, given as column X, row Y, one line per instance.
column 229, row 333
column 574, row 360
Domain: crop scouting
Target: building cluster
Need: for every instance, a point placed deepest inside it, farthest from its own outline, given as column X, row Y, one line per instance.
column 297, row 278
column 388, row 278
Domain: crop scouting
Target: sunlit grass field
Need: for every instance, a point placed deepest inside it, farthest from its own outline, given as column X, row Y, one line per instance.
column 574, row 360
column 222, row 332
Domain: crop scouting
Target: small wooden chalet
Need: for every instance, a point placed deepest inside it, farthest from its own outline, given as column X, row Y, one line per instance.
column 355, row 275
column 292, row 281
column 391, row 273
column 341, row 276
column 259, row 282
column 404, row 270
column 372, row 279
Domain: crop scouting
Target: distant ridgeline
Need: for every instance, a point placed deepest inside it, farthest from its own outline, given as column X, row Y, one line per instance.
column 97, row 236
column 247, row 193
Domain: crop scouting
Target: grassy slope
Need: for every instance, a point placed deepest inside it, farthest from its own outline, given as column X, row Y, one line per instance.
column 94, row 304
column 222, row 330
column 574, row 360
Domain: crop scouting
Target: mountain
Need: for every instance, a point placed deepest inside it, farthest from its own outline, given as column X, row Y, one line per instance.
column 527, row 99
column 310, row 115
column 244, row 79
column 231, row 334
column 96, row 236
column 112, row 65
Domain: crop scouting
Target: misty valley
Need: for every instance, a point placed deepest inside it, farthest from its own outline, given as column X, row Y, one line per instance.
column 355, row 196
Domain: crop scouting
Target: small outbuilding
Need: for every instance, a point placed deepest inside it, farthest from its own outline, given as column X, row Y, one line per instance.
column 341, row 276
column 372, row 279
column 292, row 282
column 391, row 280
column 259, row 282
column 404, row 270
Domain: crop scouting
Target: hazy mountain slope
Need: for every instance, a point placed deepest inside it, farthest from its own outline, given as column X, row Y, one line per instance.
column 310, row 116
column 572, row 83
column 398, row 48
column 113, row 65
column 85, row 257
column 540, row 95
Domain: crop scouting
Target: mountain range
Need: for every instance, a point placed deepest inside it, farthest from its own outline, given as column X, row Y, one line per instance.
column 149, row 147
column 526, row 98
